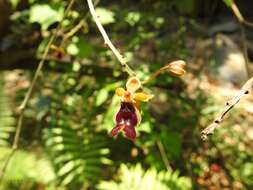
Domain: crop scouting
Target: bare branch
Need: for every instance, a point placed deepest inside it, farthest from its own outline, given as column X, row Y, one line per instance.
column 245, row 50
column 246, row 89
column 108, row 41
column 242, row 22
column 73, row 31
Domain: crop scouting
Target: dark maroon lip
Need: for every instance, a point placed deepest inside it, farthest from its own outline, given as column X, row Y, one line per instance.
column 126, row 120
column 127, row 114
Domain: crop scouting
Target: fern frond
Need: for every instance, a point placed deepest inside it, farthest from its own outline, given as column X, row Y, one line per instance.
column 26, row 166
column 6, row 118
column 136, row 178
column 76, row 158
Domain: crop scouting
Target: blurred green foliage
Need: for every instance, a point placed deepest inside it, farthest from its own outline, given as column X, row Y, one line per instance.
column 65, row 144
column 136, row 178
column 6, row 118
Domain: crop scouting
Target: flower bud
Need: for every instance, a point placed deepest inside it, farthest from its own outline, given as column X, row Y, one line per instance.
column 177, row 68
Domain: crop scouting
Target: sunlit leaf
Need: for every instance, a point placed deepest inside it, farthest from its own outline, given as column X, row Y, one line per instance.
column 14, row 3
column 79, row 47
column 105, row 16
column 45, row 14
column 101, row 96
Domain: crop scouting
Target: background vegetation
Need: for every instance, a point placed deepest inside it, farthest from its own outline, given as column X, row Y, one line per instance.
column 64, row 141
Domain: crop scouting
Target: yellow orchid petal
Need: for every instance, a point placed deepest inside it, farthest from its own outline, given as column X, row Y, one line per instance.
column 133, row 84
column 120, row 91
column 140, row 96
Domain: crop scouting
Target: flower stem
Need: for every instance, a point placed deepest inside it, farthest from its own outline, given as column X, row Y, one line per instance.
column 108, row 41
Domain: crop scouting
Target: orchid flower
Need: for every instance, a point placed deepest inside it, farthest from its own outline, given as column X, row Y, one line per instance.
column 128, row 115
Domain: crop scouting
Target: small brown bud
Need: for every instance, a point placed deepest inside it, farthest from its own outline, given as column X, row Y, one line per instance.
column 177, row 68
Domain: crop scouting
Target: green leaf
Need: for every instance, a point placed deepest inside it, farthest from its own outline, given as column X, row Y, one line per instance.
column 79, row 47
column 247, row 173
column 172, row 143
column 145, row 127
column 85, row 49
column 72, row 49
column 14, row 3
column 102, row 96
column 105, row 16
column 133, row 18
column 45, row 14
column 108, row 119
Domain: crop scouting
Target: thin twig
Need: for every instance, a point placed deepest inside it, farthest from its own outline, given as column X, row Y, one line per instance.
column 76, row 28
column 245, row 51
column 163, row 155
column 23, row 105
column 73, row 31
column 242, row 21
column 239, row 16
column 246, row 89
column 108, row 41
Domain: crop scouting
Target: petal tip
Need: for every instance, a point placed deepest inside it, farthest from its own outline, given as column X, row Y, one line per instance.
column 115, row 131
column 120, row 92
column 140, row 96
column 133, row 84
column 130, row 133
